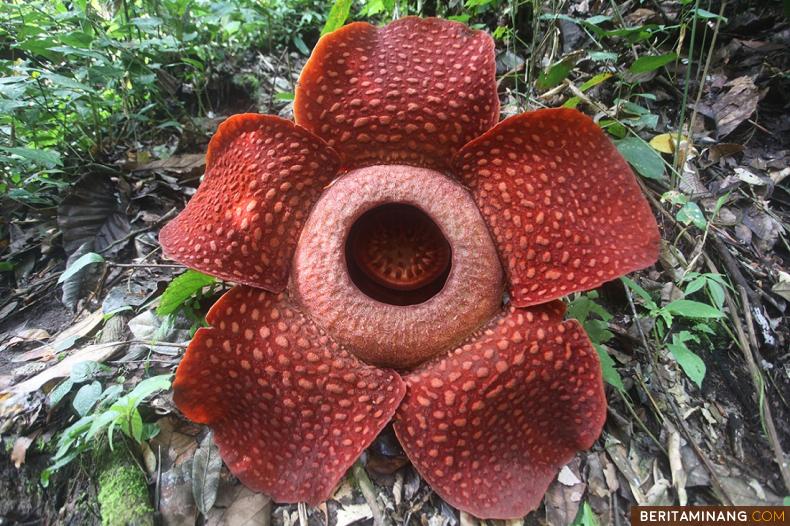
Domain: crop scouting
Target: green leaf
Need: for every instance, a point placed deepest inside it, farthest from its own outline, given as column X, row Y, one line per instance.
column 135, row 426
column 300, row 45
column 691, row 213
column 46, row 473
column 181, row 289
column 111, row 394
column 476, row 3
column 585, row 516
column 147, row 24
column 148, row 387
column 86, row 398
column 598, row 331
column 642, row 293
column 691, row 364
column 610, row 374
column 557, row 72
column 716, row 292
column 603, row 56
column 597, row 20
column 284, row 95
column 650, row 63
column 101, row 422
column 66, row 82
column 695, row 285
column 85, row 260
column 337, row 16
column 704, row 13
column 46, row 158
column 59, row 392
column 693, row 309
column 150, row 430
column 464, row 19
column 594, row 81
column 69, row 50
column 84, row 371
column 642, row 157
column 613, row 127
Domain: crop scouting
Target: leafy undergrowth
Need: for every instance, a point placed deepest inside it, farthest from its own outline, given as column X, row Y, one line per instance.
column 93, row 322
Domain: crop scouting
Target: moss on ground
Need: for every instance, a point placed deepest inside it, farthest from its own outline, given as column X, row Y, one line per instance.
column 123, row 493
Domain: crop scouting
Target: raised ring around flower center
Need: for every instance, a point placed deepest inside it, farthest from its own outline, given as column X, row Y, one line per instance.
column 397, row 263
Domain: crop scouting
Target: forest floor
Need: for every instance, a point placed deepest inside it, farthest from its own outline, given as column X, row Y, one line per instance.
column 710, row 430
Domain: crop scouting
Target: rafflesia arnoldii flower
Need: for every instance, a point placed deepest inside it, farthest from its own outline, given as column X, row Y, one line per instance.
column 373, row 241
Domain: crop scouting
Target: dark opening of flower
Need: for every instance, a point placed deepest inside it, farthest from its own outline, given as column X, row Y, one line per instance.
column 374, row 240
column 397, row 254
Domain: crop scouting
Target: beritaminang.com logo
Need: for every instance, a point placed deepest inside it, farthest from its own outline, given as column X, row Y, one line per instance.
column 692, row 515
column 704, row 515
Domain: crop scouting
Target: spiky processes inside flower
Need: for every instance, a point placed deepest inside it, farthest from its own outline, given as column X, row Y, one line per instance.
column 398, row 255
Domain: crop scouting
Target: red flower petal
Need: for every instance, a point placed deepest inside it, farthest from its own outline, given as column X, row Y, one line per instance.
column 489, row 425
column 412, row 92
column 263, row 174
column 564, row 208
column 290, row 409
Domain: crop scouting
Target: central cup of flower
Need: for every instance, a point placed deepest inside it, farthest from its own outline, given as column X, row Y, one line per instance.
column 398, row 255
column 397, row 263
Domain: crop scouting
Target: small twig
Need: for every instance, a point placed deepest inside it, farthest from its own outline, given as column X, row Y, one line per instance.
column 587, row 100
column 732, row 268
column 151, row 343
column 170, row 213
column 368, row 492
column 158, row 489
column 704, row 73
column 761, row 128
column 302, row 507
column 554, row 91
column 143, row 265
column 639, row 422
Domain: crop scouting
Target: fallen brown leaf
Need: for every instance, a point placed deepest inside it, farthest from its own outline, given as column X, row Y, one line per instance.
column 21, row 444
column 736, row 105
column 96, row 353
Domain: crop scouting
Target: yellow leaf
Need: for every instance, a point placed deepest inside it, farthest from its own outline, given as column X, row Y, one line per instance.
column 664, row 143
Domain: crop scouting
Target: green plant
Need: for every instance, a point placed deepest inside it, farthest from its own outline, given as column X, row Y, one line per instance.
column 102, row 411
column 183, row 295
column 595, row 319
column 682, row 312
column 79, row 78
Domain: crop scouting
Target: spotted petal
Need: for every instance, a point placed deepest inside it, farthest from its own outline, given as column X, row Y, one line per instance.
column 263, row 174
column 290, row 409
column 562, row 204
column 412, row 92
column 489, row 425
